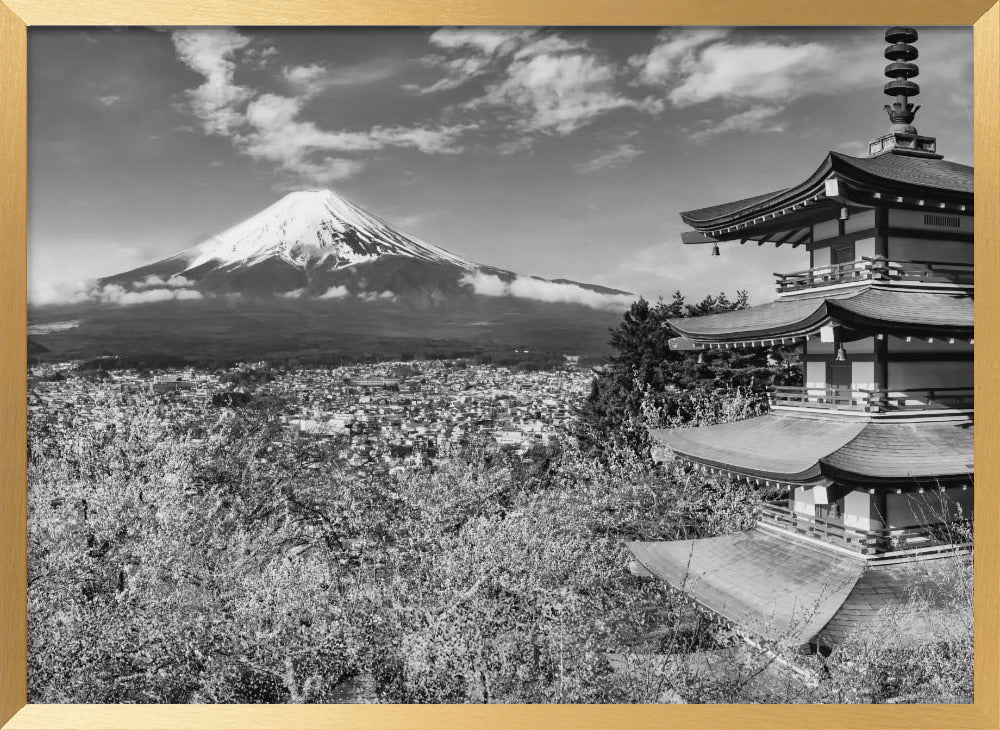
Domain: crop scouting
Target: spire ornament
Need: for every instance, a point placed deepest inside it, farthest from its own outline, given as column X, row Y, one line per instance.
column 900, row 71
column 902, row 137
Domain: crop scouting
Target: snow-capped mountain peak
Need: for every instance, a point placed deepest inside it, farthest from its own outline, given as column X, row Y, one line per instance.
column 307, row 227
column 316, row 245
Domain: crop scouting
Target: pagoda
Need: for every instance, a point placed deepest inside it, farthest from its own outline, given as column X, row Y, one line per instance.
column 873, row 454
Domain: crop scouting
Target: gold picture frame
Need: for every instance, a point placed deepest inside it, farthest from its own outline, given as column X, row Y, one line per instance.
column 17, row 15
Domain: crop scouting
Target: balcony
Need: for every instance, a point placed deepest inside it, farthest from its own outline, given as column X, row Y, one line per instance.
column 861, row 400
column 881, row 545
column 876, row 268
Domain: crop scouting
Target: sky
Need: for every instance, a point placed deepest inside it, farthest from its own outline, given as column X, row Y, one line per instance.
column 555, row 152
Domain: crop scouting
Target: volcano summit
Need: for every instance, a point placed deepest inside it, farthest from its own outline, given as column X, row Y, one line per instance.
column 316, row 277
column 316, row 244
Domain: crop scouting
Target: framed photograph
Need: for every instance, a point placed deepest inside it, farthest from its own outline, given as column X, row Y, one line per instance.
column 503, row 366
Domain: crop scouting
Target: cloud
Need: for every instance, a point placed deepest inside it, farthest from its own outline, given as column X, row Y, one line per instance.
column 710, row 64
column 151, row 289
column 545, row 83
column 480, row 49
column 754, row 79
column 760, row 71
column 211, row 52
column 293, row 294
column 371, row 296
column 309, row 79
column 110, row 99
column 488, row 41
column 42, row 294
column 154, row 282
column 621, row 155
column 757, row 118
column 334, row 292
column 557, row 94
column 546, row 291
column 259, row 55
column 301, row 147
column 549, row 44
column 457, row 72
column 314, row 78
column 673, row 53
column 115, row 294
column 269, row 127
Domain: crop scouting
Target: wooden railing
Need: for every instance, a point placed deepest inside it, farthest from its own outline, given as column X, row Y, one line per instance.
column 876, row 268
column 921, row 399
column 864, row 400
column 930, row 539
column 828, row 530
column 824, row 276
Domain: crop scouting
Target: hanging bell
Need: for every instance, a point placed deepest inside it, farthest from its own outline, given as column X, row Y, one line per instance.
column 841, row 354
column 715, row 249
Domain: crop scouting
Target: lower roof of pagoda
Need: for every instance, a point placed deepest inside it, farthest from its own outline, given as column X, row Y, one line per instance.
column 792, row 593
column 872, row 308
column 795, row 449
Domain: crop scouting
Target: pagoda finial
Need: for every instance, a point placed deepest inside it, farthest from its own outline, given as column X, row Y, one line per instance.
column 902, row 137
column 900, row 70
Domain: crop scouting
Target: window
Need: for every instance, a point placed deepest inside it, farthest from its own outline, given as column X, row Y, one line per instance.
column 842, row 254
column 949, row 221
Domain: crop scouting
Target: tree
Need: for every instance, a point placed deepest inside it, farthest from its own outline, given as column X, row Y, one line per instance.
column 646, row 374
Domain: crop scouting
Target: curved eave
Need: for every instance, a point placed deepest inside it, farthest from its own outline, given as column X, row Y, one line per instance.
column 754, row 580
column 922, row 453
column 871, row 308
column 739, row 211
column 794, row 596
column 774, row 447
column 792, row 449
column 903, row 177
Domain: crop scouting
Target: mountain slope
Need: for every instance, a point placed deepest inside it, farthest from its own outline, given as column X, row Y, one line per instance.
column 314, row 242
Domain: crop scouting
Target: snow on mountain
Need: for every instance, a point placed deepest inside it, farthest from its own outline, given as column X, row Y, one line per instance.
column 309, row 227
column 314, row 242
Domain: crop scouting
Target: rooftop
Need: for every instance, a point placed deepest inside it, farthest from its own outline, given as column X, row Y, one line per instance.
column 867, row 307
column 817, row 450
column 786, row 215
column 802, row 595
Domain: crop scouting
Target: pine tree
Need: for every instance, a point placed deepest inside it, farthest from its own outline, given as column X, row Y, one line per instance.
column 645, row 367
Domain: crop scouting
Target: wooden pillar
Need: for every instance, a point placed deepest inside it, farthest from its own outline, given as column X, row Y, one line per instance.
column 882, row 231
column 882, row 362
column 881, row 507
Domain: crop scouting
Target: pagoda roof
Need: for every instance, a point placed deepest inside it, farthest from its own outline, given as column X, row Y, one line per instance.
column 755, row 580
column 898, row 174
column 881, row 606
column 915, row 450
column 880, row 308
column 814, row 450
column 791, row 593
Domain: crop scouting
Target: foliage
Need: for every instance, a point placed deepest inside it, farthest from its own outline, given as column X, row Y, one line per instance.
column 227, row 563
column 646, row 373
column 238, row 568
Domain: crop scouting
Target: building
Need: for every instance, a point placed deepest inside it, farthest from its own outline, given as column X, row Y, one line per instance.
column 873, row 454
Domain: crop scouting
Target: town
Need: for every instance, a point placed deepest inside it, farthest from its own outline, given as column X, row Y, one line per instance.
column 381, row 416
